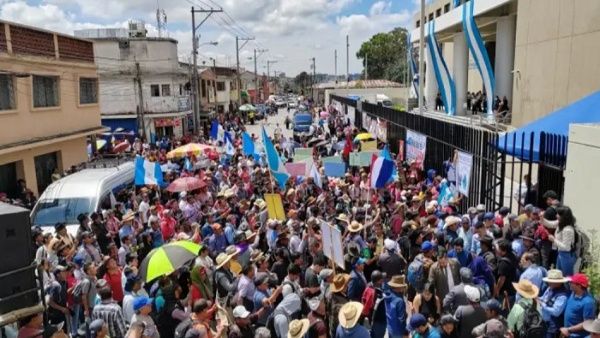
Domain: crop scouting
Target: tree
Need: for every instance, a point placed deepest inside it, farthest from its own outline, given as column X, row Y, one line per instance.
column 386, row 55
column 302, row 80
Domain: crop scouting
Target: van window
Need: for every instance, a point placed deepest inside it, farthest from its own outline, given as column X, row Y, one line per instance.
column 60, row 210
column 105, row 202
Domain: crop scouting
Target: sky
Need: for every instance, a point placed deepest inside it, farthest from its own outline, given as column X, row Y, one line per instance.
column 293, row 31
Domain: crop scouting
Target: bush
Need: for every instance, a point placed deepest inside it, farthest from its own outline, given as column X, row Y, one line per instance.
column 593, row 270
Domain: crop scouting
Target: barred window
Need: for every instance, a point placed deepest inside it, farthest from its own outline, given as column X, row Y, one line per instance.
column 45, row 91
column 7, row 92
column 220, row 86
column 88, row 90
column 166, row 90
column 154, row 90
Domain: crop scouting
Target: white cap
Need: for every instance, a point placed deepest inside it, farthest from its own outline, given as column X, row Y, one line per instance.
column 240, row 312
column 473, row 294
column 389, row 244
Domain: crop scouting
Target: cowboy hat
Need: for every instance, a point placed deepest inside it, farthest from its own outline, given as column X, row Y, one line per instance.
column 555, row 276
column 232, row 250
column 228, row 193
column 350, row 314
column 526, row 289
column 256, row 256
column 355, row 226
column 129, row 216
column 298, row 328
column 249, row 234
column 342, row 217
column 397, row 281
column 346, row 198
column 592, row 326
column 451, row 220
column 260, row 203
column 222, row 259
column 340, row 282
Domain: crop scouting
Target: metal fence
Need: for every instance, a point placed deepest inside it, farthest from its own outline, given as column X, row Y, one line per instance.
column 498, row 179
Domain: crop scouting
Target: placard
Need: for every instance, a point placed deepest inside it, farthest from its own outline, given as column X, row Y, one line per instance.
column 296, row 169
column 338, row 251
column 415, row 147
column 326, row 239
column 463, row 172
column 334, row 169
column 275, row 206
column 369, row 146
column 332, row 159
column 361, row 159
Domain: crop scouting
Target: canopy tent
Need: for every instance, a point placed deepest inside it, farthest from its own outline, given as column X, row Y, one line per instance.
column 585, row 110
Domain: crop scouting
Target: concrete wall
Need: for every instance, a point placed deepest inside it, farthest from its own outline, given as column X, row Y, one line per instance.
column 556, row 55
column 581, row 187
column 397, row 95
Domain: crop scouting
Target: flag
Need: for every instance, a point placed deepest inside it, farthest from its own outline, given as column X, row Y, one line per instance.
column 220, row 133
column 187, row 165
column 248, row 146
column 385, row 152
column 214, row 129
column 147, row 173
column 316, row 175
column 381, row 172
column 229, row 148
column 275, row 164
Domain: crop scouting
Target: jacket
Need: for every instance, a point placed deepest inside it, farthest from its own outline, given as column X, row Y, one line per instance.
column 356, row 286
column 395, row 312
column 439, row 279
column 358, row 331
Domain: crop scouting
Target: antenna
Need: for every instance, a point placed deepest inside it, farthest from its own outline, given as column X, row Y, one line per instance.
column 161, row 20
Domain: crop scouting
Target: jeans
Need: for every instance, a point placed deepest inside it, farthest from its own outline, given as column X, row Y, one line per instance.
column 566, row 262
column 75, row 319
column 378, row 330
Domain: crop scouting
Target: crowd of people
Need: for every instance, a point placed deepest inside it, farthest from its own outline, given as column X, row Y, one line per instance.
column 412, row 265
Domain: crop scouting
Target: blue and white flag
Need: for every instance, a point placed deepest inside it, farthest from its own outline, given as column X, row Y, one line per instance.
column 214, row 129
column 385, row 153
column 187, row 164
column 229, row 148
column 316, row 175
column 275, row 164
column 248, row 146
column 381, row 172
column 147, row 173
column 445, row 193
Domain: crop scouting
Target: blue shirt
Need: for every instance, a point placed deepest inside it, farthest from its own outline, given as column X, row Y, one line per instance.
column 217, row 243
column 430, row 333
column 258, row 299
column 578, row 309
column 467, row 236
column 206, row 230
column 535, row 275
column 554, row 310
column 157, row 238
column 517, row 247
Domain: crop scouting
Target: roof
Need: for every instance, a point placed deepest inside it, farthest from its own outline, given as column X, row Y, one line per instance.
column 12, row 23
column 359, row 84
column 152, row 39
column 225, row 71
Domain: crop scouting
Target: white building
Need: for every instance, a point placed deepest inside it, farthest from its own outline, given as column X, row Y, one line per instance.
column 126, row 60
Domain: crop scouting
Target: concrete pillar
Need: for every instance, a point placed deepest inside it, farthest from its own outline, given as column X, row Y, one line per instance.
column 461, row 71
column 431, row 85
column 505, row 56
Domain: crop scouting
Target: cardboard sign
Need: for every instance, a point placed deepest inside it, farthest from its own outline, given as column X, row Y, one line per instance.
column 463, row 172
column 415, row 147
column 333, row 169
column 369, row 146
column 361, row 159
column 332, row 159
column 275, row 207
column 296, row 169
column 332, row 244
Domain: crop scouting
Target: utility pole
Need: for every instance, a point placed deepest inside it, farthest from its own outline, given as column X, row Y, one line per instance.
column 269, row 62
column 366, row 67
column 141, row 118
column 237, row 56
column 335, row 64
column 314, row 79
column 347, row 61
column 195, row 91
column 261, row 51
column 421, row 57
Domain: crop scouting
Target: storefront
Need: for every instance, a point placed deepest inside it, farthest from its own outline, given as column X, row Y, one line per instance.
column 168, row 126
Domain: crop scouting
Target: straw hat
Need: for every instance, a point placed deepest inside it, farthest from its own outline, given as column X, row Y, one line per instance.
column 350, row 314
column 397, row 281
column 340, row 282
column 451, row 220
column 256, row 256
column 222, row 259
column 232, row 250
column 526, row 289
column 555, row 276
column 592, row 326
column 228, row 193
column 129, row 216
column 355, row 226
column 260, row 203
column 298, row 328
column 342, row 217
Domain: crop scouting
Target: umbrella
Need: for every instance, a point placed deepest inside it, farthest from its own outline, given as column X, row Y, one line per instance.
column 193, row 148
column 166, row 259
column 121, row 147
column 100, row 143
column 186, row 184
column 324, row 114
column 247, row 107
column 363, row 137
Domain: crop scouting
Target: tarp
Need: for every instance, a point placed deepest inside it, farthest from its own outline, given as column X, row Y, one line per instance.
column 585, row 110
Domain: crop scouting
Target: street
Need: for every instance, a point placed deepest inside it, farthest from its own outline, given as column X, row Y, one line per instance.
column 271, row 124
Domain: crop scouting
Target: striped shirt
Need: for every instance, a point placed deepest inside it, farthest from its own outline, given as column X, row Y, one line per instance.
column 111, row 313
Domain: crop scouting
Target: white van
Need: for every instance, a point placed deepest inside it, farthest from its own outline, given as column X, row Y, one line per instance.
column 86, row 191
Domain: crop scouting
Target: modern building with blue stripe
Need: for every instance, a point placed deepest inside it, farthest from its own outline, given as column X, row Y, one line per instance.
column 537, row 53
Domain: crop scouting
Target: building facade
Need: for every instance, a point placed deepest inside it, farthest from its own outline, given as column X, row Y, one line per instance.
column 48, row 105
column 227, row 93
column 537, row 53
column 128, row 64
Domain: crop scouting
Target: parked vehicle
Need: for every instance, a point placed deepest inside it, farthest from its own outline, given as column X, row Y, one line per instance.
column 86, row 191
column 302, row 125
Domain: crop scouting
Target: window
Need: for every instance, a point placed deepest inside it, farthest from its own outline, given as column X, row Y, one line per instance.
column 154, row 90
column 7, row 92
column 418, row 23
column 88, row 90
column 220, row 86
column 430, row 16
column 166, row 90
column 45, row 91
column 203, row 86
column 446, row 8
column 438, row 12
column 180, row 89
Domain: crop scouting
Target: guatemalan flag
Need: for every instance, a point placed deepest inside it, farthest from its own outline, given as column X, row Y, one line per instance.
column 385, row 153
column 229, row 148
column 147, row 173
column 248, row 146
column 275, row 164
column 381, row 171
column 214, row 129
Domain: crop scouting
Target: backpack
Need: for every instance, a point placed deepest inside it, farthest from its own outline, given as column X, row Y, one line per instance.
column 533, row 324
column 416, row 275
column 581, row 248
column 182, row 328
column 271, row 320
column 368, row 300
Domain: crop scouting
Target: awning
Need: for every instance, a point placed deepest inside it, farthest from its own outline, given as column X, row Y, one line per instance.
column 586, row 110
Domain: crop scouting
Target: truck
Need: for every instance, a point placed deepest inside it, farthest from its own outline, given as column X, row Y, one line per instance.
column 378, row 99
column 302, row 123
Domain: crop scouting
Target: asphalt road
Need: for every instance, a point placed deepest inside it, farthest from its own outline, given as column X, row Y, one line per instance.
column 271, row 123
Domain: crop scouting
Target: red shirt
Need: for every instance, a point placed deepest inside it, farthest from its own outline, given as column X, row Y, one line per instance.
column 114, row 280
column 167, row 227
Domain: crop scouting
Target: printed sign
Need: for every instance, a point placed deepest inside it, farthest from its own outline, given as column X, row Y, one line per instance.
column 362, row 159
column 334, row 169
column 368, row 146
column 415, row 147
column 463, row 172
column 275, row 206
column 296, row 169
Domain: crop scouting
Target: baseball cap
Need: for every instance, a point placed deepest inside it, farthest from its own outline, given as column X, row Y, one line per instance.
column 426, row 246
column 473, row 294
column 417, row 320
column 140, row 302
column 492, row 305
column 494, row 328
column 488, row 216
column 240, row 312
column 580, row 279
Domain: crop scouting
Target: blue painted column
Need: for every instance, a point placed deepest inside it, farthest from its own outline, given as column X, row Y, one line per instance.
column 461, row 71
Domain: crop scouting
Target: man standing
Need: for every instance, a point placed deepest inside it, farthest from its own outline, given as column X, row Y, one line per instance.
column 580, row 306
column 470, row 315
column 532, row 271
column 444, row 274
column 110, row 312
column 395, row 307
column 554, row 301
column 358, row 282
column 516, row 318
column 143, row 306
column 457, row 295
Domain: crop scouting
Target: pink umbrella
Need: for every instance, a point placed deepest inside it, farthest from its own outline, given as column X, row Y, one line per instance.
column 324, row 114
column 186, row 184
column 121, row 147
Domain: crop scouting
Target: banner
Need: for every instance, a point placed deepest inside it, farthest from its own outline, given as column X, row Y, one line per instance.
column 332, row 159
column 415, row 147
column 301, row 154
column 351, row 115
column 368, row 146
column 400, row 151
column 362, row 159
column 333, row 169
column 275, row 206
column 296, row 169
column 463, row 172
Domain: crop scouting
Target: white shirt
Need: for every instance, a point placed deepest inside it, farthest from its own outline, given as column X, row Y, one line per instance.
column 143, row 209
column 450, row 277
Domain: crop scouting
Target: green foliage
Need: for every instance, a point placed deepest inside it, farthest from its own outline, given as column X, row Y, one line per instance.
column 399, row 107
column 386, row 55
column 302, row 81
column 593, row 270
